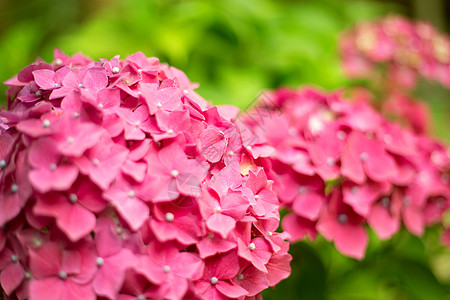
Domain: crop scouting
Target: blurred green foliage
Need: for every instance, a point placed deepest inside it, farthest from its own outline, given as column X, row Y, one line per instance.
column 235, row 49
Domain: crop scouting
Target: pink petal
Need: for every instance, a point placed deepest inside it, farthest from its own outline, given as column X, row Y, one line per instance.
column 231, row 290
column 221, row 224
column 351, row 240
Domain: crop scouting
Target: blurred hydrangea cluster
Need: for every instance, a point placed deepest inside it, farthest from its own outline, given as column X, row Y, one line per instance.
column 119, row 181
column 394, row 53
column 340, row 166
column 406, row 50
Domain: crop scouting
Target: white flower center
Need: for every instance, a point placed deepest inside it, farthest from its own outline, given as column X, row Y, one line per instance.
column 80, row 85
column 14, row 258
column 99, row 261
column 185, row 92
column 53, row 167
column 166, row 269
column 341, row 135
column 240, row 276
column 73, row 198
column 100, row 105
column 169, row 217
column 257, row 197
column 131, row 194
column 363, row 156
column 330, row 161
column 14, row 188
column 38, row 93
column 406, row 200
column 252, row 246
column 355, row 190
column 141, row 297
column 95, row 162
column 70, row 140
column 2, row 163
column 58, row 62
column 115, row 70
column 170, row 131
column 269, row 233
column 342, row 218
column 159, row 105
column 214, row 280
column 217, row 209
column 303, row 190
column 62, row 275
column 28, row 275
column 76, row 115
column 385, row 201
column 174, row 173
column 46, row 123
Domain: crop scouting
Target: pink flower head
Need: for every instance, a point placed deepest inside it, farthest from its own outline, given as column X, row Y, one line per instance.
column 119, row 181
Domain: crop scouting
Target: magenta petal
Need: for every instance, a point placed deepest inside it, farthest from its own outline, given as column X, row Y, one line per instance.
column 351, row 240
column 381, row 221
column 11, row 277
column 211, row 246
column 78, row 222
column 111, row 274
column 39, row 289
column 134, row 211
column 308, row 205
column 221, row 224
column 231, row 290
column 298, row 227
column 74, row 291
column 414, row 220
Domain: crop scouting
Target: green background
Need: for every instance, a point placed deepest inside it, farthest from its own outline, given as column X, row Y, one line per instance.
column 235, row 49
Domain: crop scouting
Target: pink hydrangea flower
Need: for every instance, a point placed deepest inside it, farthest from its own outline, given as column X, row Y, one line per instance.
column 340, row 167
column 119, row 181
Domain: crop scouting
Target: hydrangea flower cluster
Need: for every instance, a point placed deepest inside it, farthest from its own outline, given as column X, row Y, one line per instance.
column 118, row 181
column 393, row 53
column 406, row 49
column 340, row 167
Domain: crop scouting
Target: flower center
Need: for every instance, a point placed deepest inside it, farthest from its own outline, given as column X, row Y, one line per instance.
column 252, row 246
column 70, row 140
column 341, row 135
column 14, row 258
column 169, row 217
column 385, row 202
column 28, row 275
column 303, row 190
column 95, row 162
column 115, row 70
column 355, row 190
column 174, row 173
column 14, row 188
column 2, row 163
column 342, row 218
column 80, row 85
column 330, row 161
column 131, row 194
column 240, row 276
column 46, row 123
column 214, row 280
column 73, row 198
column 269, row 233
column 166, row 269
column 363, row 156
column 62, row 275
column 99, row 261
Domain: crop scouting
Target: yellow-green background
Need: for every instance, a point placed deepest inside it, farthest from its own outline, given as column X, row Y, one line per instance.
column 235, row 49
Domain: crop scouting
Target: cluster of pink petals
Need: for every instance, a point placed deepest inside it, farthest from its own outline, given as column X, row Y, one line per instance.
column 118, row 181
column 341, row 167
column 407, row 50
